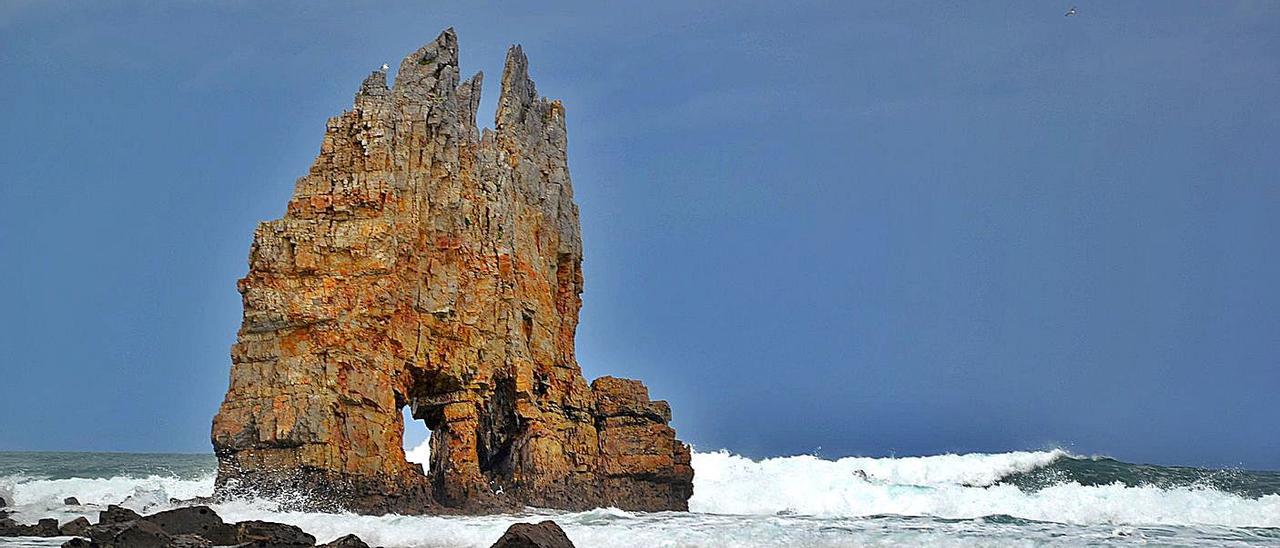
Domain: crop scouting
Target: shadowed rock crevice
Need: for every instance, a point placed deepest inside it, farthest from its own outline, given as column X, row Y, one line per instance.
column 424, row 263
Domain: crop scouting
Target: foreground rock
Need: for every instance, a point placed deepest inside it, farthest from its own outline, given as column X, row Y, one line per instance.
column 201, row 527
column 276, row 534
column 197, row 520
column 47, row 527
column 74, row 528
column 131, row 534
column 424, row 263
column 528, row 535
column 117, row 514
column 188, row 527
column 347, row 541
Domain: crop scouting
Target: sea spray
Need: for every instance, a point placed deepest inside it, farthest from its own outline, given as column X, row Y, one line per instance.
column 784, row 501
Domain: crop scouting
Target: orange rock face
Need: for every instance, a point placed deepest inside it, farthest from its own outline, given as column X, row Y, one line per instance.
column 423, row 263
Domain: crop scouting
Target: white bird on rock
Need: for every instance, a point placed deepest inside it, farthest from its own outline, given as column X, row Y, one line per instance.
column 384, row 66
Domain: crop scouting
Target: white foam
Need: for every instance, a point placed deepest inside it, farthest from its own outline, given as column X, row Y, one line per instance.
column 39, row 498
column 952, row 486
column 786, row 501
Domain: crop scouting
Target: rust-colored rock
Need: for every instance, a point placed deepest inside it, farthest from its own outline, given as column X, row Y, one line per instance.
column 424, row 263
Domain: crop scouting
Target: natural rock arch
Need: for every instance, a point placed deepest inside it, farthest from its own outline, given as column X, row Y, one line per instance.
column 422, row 262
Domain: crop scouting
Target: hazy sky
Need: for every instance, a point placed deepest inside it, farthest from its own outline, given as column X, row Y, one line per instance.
column 844, row 228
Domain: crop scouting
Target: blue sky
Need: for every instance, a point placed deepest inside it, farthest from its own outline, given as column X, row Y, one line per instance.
column 843, row 228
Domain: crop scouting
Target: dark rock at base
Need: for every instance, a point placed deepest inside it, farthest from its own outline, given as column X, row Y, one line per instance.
column 117, row 514
column 71, row 501
column 348, row 541
column 3, row 502
column 80, row 543
column 190, row 541
column 130, row 534
column 196, row 520
column 47, row 527
column 9, row 528
column 75, row 527
column 273, row 534
column 192, row 501
column 527, row 535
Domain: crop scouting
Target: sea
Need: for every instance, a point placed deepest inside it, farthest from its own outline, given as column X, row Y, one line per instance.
column 1031, row 498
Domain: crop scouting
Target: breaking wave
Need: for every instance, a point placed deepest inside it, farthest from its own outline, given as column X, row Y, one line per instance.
column 799, row 500
column 979, row 485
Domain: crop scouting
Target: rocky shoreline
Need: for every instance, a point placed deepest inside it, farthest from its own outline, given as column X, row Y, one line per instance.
column 200, row 527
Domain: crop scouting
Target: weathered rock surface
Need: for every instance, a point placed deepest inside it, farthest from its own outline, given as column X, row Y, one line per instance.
column 345, row 541
column 117, row 514
column 196, row 520
column 75, row 527
column 424, row 263
column 547, row 534
column 130, row 534
column 47, row 527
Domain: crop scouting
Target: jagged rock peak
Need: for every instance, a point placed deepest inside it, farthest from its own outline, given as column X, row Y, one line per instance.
column 431, row 71
column 422, row 266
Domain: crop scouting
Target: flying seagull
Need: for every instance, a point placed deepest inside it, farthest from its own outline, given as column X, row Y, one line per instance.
column 1071, row 11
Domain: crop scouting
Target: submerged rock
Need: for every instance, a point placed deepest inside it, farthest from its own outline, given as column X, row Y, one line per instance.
column 71, row 501
column 547, row 534
column 423, row 263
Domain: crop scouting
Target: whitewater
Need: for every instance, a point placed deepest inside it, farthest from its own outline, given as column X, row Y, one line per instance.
column 1033, row 498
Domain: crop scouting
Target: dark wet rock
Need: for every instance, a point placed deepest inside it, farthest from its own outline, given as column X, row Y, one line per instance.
column 348, row 541
column 44, row 528
column 130, row 534
column 47, row 527
column 71, row 501
column 3, row 503
column 273, row 534
column 117, row 514
column 80, row 543
column 195, row 520
column 190, row 541
column 528, row 535
column 194, row 501
column 75, row 527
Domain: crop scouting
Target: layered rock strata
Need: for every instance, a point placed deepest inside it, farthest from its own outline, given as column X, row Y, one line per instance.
column 424, row 263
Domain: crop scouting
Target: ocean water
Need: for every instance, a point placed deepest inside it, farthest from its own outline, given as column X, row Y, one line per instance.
column 1043, row 498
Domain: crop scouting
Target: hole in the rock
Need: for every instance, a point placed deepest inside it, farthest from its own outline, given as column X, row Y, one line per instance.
column 417, row 439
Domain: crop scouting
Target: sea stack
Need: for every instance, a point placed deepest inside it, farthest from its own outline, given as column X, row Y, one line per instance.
column 424, row 263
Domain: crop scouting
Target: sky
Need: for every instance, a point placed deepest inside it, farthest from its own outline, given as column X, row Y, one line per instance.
column 832, row 228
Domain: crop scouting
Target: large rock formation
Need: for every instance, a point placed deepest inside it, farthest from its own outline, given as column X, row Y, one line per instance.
column 424, row 263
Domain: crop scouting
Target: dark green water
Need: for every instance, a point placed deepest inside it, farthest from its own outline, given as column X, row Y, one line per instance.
column 56, row 466
column 1106, row 471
